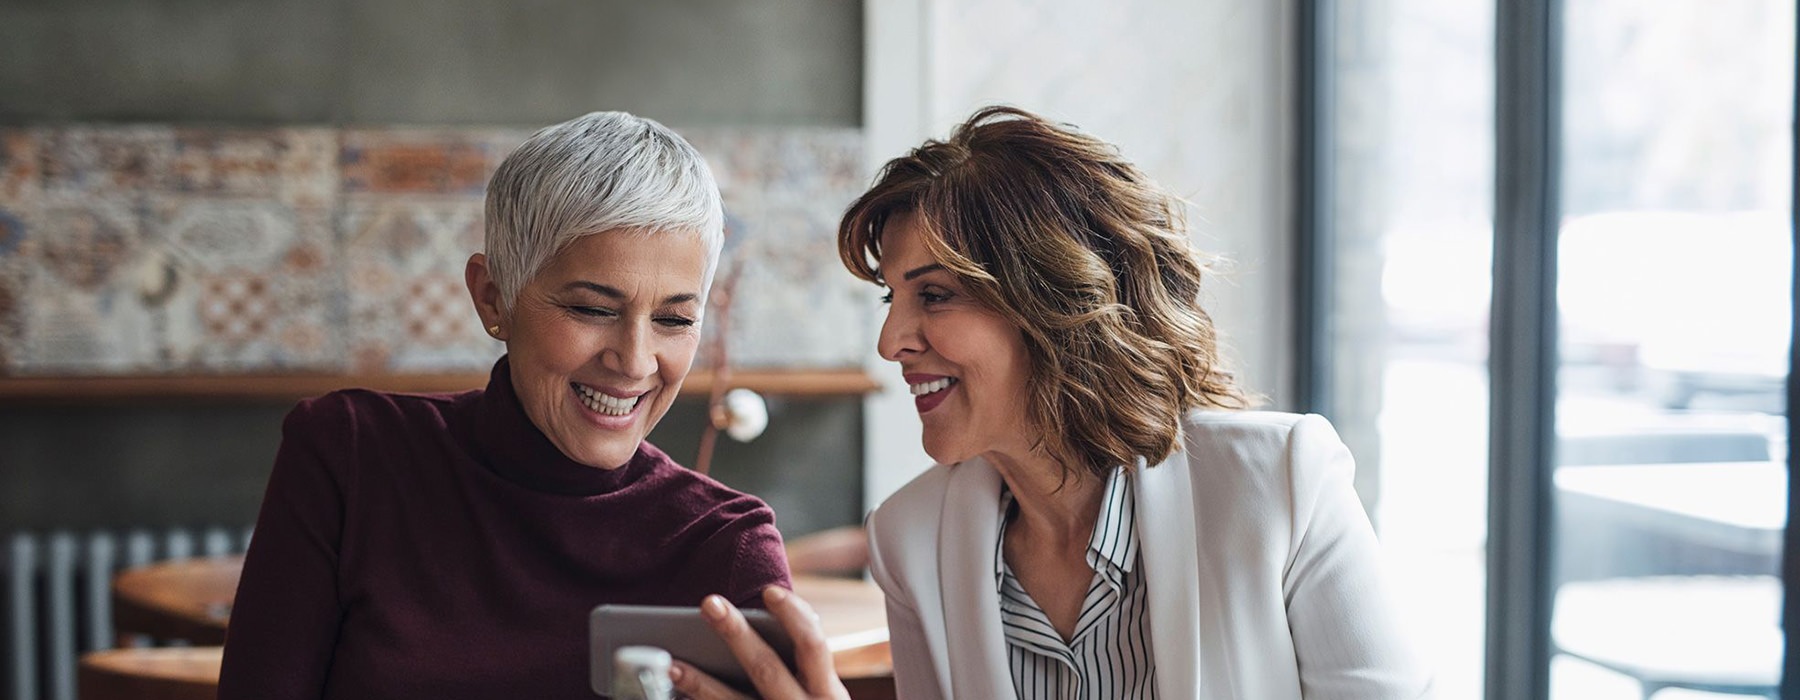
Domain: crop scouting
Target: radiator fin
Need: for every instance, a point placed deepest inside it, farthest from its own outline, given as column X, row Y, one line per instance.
column 58, row 597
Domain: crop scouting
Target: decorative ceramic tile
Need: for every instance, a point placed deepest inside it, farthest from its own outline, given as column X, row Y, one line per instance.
column 15, row 276
column 407, row 305
column 21, row 178
column 735, row 157
column 250, row 321
column 155, row 249
column 64, row 262
column 815, row 164
column 224, row 233
column 422, row 162
column 107, row 161
column 795, row 305
column 79, row 331
column 241, row 284
column 245, row 285
column 294, row 166
column 12, row 308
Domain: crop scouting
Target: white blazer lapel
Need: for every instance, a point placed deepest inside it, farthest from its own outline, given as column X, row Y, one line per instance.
column 1166, row 533
column 976, row 640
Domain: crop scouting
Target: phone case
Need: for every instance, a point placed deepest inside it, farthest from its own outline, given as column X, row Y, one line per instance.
column 678, row 630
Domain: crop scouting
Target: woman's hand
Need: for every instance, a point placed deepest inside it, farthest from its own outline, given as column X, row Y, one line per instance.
column 771, row 677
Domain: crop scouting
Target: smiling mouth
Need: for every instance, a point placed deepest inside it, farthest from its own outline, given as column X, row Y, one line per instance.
column 932, row 387
column 605, row 404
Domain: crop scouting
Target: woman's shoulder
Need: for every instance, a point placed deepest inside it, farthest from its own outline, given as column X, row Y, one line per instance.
column 919, row 501
column 677, row 487
column 903, row 533
column 911, row 515
column 340, row 429
column 1227, row 419
column 1232, row 425
column 352, row 407
column 1270, row 442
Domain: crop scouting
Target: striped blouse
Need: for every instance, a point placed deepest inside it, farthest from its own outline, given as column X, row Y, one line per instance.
column 1109, row 654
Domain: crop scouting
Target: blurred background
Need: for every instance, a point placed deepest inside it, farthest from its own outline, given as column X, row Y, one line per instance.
column 209, row 210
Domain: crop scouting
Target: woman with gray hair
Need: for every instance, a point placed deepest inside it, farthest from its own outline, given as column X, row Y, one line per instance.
column 450, row 546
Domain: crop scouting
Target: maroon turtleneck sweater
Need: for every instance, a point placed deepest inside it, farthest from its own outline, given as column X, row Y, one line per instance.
column 441, row 547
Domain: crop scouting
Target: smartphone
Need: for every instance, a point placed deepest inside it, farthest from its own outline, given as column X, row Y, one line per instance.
column 680, row 631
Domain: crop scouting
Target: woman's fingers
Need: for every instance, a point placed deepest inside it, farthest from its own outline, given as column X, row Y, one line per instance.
column 694, row 683
column 812, row 655
column 764, row 666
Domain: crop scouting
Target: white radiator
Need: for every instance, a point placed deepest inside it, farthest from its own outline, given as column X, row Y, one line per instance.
column 58, row 599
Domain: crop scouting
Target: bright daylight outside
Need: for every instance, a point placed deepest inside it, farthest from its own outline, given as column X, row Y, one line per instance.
column 1674, row 278
column 1674, row 292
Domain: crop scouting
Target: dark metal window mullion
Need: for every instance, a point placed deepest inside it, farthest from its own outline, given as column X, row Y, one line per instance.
column 1313, row 220
column 1522, row 347
column 1313, row 259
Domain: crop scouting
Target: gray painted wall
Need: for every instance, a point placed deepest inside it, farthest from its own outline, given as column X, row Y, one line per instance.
column 449, row 62
column 151, row 464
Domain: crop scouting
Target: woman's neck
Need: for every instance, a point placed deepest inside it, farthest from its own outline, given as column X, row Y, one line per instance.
column 1053, row 511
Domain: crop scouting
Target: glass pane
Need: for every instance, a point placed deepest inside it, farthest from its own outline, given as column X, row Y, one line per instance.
column 1411, row 213
column 1674, row 271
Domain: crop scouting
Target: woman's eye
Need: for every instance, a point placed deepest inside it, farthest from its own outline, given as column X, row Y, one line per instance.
column 675, row 321
column 933, row 296
column 593, row 311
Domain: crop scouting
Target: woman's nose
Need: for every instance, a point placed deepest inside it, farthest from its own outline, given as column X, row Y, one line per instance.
column 900, row 335
column 630, row 353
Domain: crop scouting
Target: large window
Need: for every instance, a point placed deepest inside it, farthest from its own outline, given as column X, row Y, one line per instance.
column 1666, row 221
column 1674, row 260
column 1410, row 149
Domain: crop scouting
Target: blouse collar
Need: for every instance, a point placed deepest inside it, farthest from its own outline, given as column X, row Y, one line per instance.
column 1112, row 547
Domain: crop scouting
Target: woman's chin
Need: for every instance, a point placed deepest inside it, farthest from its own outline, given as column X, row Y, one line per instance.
column 608, row 457
column 943, row 454
column 601, row 449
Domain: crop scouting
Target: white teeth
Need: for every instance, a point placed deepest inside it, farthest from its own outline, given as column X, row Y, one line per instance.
column 603, row 403
column 932, row 387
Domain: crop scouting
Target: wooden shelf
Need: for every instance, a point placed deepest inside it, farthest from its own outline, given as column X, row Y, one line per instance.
column 289, row 387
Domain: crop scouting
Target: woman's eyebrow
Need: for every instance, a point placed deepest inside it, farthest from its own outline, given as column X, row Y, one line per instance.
column 614, row 293
column 600, row 289
column 915, row 272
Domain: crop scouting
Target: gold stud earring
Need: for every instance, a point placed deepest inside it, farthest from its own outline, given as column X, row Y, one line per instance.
column 494, row 330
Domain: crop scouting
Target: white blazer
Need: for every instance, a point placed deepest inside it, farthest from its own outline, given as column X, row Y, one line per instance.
column 1263, row 572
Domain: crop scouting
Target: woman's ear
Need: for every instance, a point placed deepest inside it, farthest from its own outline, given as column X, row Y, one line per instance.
column 486, row 295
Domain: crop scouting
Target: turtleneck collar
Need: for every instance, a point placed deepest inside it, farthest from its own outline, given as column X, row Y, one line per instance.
column 514, row 448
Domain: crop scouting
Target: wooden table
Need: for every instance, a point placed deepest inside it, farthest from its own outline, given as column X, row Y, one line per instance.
column 184, row 598
column 150, row 674
column 853, row 613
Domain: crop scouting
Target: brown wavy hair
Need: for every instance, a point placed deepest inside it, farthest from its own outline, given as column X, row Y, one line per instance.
column 1058, row 233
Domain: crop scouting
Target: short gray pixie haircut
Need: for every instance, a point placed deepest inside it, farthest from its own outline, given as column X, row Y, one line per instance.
column 604, row 171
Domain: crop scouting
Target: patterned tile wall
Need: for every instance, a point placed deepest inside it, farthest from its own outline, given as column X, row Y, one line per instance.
column 156, row 249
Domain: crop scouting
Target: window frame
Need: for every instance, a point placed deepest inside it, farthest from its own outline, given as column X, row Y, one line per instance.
column 1522, row 339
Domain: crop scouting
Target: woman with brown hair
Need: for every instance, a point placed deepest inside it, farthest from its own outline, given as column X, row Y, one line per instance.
column 1107, row 519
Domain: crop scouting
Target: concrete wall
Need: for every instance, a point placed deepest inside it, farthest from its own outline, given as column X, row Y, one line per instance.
column 448, row 62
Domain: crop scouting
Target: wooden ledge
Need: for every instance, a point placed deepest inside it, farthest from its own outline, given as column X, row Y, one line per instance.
column 290, row 387
column 147, row 674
